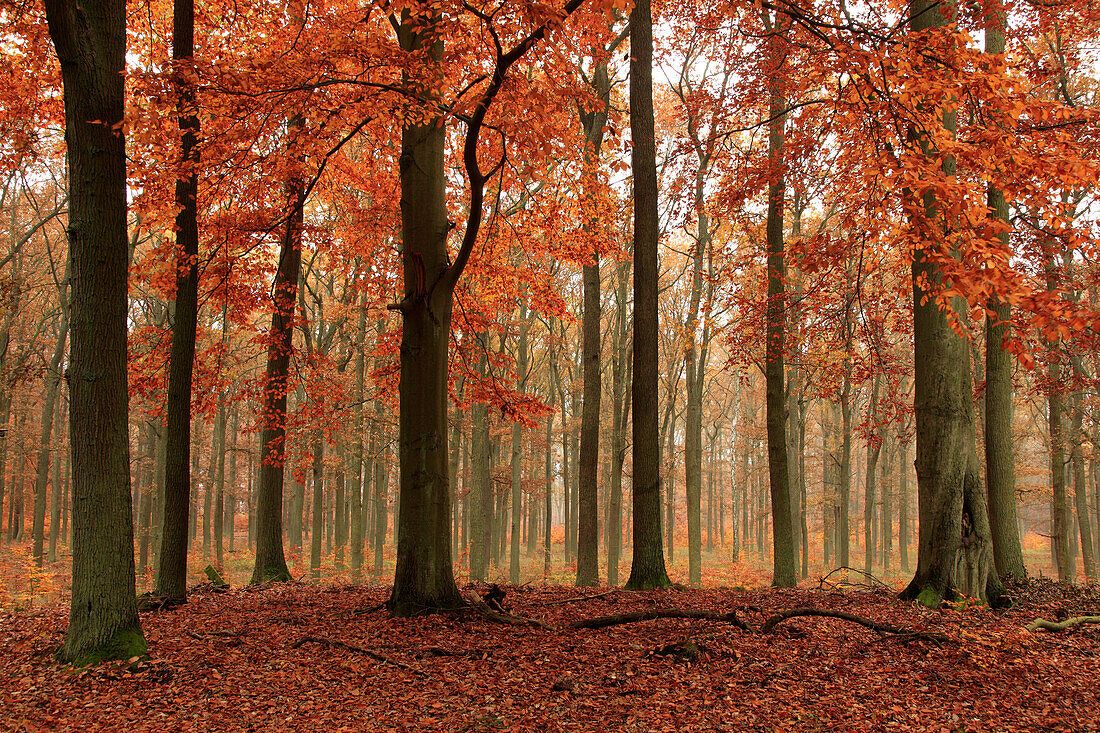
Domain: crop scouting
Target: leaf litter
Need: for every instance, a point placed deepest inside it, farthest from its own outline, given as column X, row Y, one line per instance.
column 298, row 657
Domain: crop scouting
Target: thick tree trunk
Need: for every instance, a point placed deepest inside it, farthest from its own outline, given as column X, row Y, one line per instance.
column 90, row 40
column 172, row 571
column 647, row 569
column 424, row 579
column 954, row 545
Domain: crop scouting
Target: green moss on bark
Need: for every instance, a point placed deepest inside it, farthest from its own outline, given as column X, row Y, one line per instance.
column 124, row 645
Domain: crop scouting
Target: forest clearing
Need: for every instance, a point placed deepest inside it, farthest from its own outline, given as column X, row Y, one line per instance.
column 509, row 365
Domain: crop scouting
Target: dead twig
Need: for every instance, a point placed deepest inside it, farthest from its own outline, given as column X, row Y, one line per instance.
column 1041, row 624
column 358, row 650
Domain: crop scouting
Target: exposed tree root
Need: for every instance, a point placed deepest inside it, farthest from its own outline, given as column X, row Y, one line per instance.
column 1041, row 624
column 357, row 649
column 879, row 628
column 655, row 613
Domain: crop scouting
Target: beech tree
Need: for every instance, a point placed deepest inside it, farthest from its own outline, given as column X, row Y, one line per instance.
column 647, row 567
column 90, row 41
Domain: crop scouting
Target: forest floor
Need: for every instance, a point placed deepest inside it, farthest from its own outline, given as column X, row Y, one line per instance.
column 302, row 657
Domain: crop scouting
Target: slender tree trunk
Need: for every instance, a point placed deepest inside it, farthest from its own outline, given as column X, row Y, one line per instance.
column 355, row 467
column 874, row 448
column 1080, row 487
column 318, row 506
column 480, row 496
column 517, row 486
column 172, row 572
column 53, row 387
column 647, row 569
column 270, row 561
column 90, row 40
column 784, row 569
column 57, row 489
column 219, row 483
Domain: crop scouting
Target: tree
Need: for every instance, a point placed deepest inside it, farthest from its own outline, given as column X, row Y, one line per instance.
column 90, row 40
column 954, row 552
column 647, row 567
column 784, row 570
column 424, row 579
column 1000, row 476
column 172, row 574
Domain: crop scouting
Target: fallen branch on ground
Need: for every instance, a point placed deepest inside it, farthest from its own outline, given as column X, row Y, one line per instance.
column 503, row 617
column 655, row 613
column 582, row 598
column 357, row 649
column 1044, row 625
column 879, row 628
column 875, row 582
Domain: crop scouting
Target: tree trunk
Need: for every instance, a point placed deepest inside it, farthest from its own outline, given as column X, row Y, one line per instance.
column 480, row 494
column 517, row 486
column 355, row 466
column 270, row 561
column 621, row 374
column 58, row 490
column 784, row 569
column 172, row 571
column 587, row 522
column 874, row 448
column 1080, row 487
column 219, row 483
column 90, row 40
column 318, row 510
column 954, row 553
column 53, row 387
column 424, row 579
column 647, row 569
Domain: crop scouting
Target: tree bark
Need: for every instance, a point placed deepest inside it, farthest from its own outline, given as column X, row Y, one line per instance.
column 172, row 572
column 90, row 40
column 647, row 569
column 517, row 447
column 954, row 546
column 53, row 387
column 270, row 562
column 784, row 569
